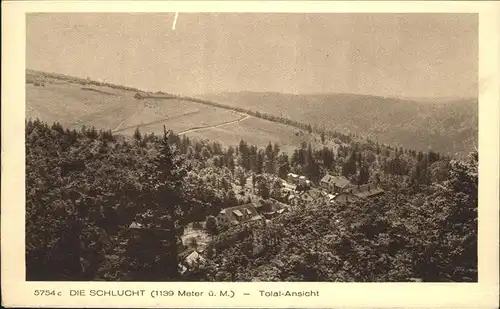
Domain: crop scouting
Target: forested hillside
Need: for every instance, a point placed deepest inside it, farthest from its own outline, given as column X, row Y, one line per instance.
column 85, row 187
column 429, row 236
column 444, row 126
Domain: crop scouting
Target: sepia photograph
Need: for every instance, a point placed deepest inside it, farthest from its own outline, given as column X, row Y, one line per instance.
column 250, row 154
column 251, row 147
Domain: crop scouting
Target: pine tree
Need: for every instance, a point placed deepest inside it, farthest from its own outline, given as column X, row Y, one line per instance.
column 211, row 225
column 276, row 150
column 166, row 210
column 137, row 135
column 269, row 160
column 263, row 188
column 283, row 166
column 240, row 176
column 311, row 167
column 244, row 155
column 349, row 167
column 364, row 175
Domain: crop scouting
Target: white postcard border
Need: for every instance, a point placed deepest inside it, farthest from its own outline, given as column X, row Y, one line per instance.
column 17, row 292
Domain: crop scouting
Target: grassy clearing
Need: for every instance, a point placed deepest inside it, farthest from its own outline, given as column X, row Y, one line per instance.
column 73, row 107
column 116, row 109
column 256, row 131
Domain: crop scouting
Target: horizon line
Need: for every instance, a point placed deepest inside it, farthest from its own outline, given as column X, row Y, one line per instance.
column 406, row 98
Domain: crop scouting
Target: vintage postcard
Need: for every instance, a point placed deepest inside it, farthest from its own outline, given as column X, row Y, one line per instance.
column 250, row 154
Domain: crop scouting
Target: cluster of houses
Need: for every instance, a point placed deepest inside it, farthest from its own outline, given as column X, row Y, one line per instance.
column 252, row 212
column 298, row 191
column 332, row 189
column 307, row 196
column 195, row 240
column 340, row 188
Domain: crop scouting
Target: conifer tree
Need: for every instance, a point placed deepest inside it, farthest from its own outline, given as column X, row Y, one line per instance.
column 137, row 134
column 166, row 209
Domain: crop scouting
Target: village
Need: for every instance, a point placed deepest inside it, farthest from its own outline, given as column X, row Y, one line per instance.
column 296, row 192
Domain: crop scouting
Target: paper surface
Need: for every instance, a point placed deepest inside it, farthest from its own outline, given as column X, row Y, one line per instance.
column 16, row 292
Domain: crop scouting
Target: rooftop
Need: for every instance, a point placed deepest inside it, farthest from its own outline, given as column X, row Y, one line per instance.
column 241, row 213
column 194, row 258
column 339, row 181
column 316, row 194
column 135, row 225
column 367, row 190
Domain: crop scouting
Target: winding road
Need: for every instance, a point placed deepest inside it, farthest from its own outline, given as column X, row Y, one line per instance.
column 118, row 129
column 214, row 126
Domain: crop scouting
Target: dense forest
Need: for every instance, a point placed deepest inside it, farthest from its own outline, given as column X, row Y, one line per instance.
column 85, row 187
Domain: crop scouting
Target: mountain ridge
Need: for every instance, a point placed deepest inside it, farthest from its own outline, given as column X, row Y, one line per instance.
column 413, row 124
column 447, row 126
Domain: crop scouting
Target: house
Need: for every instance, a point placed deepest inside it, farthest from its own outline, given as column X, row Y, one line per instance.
column 293, row 199
column 331, row 197
column 318, row 195
column 135, row 225
column 289, row 187
column 360, row 192
column 305, row 197
column 240, row 214
column 343, row 197
column 272, row 208
column 297, row 179
column 285, row 192
column 195, row 235
column 335, row 184
column 259, row 205
column 292, row 178
column 194, row 259
column 194, row 226
column 190, row 261
column 302, row 180
column 136, row 229
column 365, row 191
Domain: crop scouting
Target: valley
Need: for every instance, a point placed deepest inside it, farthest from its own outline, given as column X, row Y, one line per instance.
column 445, row 126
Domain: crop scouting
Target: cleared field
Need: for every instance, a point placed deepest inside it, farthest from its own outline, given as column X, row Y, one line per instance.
column 75, row 105
column 258, row 132
column 203, row 116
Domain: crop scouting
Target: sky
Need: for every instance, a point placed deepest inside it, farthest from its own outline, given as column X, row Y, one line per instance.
column 396, row 55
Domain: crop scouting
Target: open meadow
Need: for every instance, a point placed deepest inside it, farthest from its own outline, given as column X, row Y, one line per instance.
column 74, row 105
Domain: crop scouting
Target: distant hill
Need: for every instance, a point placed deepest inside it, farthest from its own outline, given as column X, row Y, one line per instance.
column 445, row 125
column 75, row 102
column 441, row 124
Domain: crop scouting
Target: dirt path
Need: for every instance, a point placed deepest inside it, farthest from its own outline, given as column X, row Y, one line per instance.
column 119, row 128
column 124, row 120
column 152, row 122
column 214, row 126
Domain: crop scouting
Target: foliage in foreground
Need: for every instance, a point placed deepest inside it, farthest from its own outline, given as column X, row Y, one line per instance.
column 84, row 188
column 429, row 236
